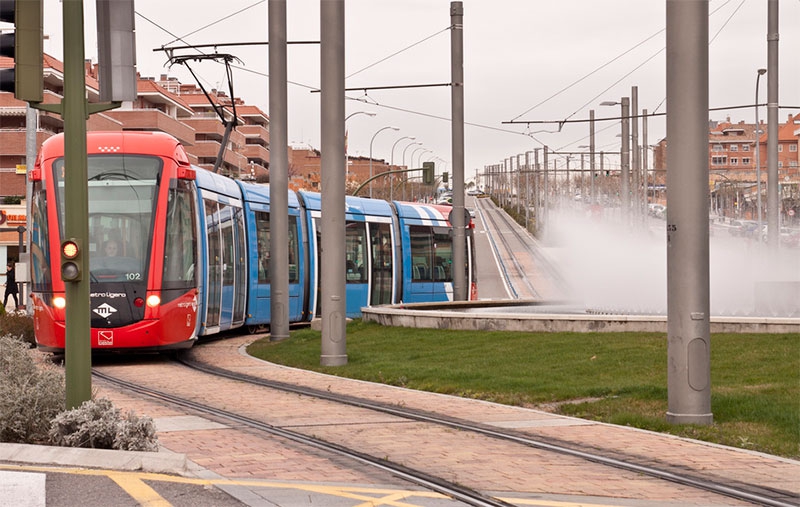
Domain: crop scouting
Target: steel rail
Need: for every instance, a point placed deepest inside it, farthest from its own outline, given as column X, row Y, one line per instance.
column 682, row 479
column 464, row 494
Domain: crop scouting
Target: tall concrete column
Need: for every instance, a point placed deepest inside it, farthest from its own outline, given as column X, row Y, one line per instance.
column 688, row 325
column 625, row 161
column 278, row 173
column 334, row 342
column 773, row 201
column 635, row 165
column 460, row 282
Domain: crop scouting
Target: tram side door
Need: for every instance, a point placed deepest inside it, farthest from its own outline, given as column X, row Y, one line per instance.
column 382, row 276
column 233, row 267
column 213, row 270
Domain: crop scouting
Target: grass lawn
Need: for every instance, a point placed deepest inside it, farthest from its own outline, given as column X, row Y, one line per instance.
column 620, row 378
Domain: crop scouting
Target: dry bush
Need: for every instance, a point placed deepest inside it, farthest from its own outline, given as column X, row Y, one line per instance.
column 31, row 394
column 98, row 425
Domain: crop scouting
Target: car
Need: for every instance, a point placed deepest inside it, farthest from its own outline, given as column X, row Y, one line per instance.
column 786, row 237
column 743, row 228
column 655, row 209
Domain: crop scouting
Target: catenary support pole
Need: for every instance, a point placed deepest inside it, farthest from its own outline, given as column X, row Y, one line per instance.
column 278, row 173
column 688, row 324
column 332, row 272
column 625, row 161
column 773, row 203
column 635, row 165
column 460, row 282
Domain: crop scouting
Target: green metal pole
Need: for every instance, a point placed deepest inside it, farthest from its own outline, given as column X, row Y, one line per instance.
column 78, row 352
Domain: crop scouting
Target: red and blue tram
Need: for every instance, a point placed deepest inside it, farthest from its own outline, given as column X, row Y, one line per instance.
column 177, row 252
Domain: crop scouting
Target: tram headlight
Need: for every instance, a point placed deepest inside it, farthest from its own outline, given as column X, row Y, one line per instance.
column 153, row 301
column 59, row 302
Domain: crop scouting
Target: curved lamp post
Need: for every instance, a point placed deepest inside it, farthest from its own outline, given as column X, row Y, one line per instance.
column 370, row 153
column 404, row 162
column 761, row 72
column 391, row 185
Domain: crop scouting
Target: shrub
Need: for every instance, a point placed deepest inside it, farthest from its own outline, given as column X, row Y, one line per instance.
column 98, row 425
column 18, row 325
column 31, row 394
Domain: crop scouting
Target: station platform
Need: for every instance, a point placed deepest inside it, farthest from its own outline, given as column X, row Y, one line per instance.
column 203, row 462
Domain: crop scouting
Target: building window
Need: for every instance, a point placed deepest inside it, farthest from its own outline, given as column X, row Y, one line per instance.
column 745, row 161
column 793, row 148
column 745, row 147
column 734, row 161
column 734, row 147
column 793, row 163
column 719, row 160
column 780, row 148
column 718, row 147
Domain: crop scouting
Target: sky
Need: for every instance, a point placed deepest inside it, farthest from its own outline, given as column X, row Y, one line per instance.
column 524, row 60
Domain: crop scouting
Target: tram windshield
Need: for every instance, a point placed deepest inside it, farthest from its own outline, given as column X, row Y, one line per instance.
column 122, row 200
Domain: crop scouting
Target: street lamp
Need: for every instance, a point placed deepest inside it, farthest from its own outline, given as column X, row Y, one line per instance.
column 370, row 154
column 358, row 112
column 391, row 180
column 404, row 164
column 420, row 156
column 624, row 153
column 761, row 72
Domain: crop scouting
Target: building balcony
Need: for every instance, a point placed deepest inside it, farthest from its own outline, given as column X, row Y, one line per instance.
column 250, row 131
column 257, row 153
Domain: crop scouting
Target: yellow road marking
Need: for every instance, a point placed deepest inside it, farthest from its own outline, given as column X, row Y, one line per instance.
column 133, row 484
column 138, row 490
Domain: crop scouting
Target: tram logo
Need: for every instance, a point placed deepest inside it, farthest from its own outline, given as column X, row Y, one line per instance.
column 105, row 338
column 105, row 310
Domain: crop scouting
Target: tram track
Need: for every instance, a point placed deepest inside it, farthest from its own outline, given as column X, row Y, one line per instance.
column 526, row 270
column 744, row 492
column 738, row 493
column 417, row 477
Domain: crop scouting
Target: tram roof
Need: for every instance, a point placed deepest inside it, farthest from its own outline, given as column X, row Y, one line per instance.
column 353, row 205
column 217, row 183
column 422, row 212
column 259, row 193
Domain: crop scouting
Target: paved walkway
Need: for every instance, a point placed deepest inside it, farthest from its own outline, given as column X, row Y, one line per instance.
column 271, row 471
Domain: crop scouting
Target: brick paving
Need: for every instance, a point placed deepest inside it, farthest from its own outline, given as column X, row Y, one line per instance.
column 479, row 462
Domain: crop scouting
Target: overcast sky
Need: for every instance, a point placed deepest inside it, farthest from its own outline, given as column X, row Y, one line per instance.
column 524, row 60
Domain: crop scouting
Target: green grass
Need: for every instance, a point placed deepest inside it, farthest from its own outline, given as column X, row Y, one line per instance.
column 620, row 378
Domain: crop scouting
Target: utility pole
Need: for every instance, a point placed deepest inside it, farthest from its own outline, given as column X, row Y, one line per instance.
column 332, row 249
column 279, row 173
column 460, row 282
column 773, row 202
column 688, row 301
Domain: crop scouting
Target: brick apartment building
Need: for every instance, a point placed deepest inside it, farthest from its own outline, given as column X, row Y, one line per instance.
column 732, row 163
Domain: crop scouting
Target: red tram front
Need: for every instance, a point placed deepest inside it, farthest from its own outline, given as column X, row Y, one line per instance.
column 143, row 227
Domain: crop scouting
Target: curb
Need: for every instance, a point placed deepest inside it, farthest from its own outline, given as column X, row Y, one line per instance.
column 164, row 462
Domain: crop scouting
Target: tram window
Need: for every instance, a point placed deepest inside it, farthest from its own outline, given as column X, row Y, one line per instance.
column 40, row 246
column 180, row 245
column 356, row 252
column 421, row 253
column 442, row 255
column 263, row 239
column 431, row 254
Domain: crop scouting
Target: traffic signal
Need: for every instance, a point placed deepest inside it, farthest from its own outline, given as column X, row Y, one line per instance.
column 70, row 261
column 445, row 177
column 427, row 172
column 24, row 45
